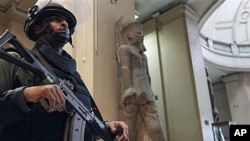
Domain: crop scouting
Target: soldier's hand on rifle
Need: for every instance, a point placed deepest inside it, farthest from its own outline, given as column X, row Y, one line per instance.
column 120, row 128
column 52, row 93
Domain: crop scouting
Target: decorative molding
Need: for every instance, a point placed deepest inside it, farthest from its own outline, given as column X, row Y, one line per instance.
column 190, row 13
column 209, row 12
column 230, row 23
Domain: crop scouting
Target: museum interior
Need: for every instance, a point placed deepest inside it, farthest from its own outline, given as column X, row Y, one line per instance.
column 198, row 55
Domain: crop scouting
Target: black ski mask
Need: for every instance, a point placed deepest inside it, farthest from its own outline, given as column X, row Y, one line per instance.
column 61, row 37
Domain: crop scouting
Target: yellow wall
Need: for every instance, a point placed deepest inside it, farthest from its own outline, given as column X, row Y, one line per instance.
column 95, row 53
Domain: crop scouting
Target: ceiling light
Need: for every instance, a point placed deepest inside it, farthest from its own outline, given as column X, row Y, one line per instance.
column 136, row 16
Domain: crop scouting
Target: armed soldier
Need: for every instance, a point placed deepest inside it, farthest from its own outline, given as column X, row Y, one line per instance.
column 22, row 116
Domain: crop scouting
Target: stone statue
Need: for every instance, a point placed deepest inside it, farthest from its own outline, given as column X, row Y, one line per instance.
column 211, row 94
column 218, row 132
column 137, row 104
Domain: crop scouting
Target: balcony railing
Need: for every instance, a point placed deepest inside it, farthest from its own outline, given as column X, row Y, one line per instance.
column 234, row 50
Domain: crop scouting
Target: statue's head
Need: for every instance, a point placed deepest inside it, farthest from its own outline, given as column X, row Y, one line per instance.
column 131, row 32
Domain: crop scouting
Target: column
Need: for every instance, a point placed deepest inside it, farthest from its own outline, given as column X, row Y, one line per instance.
column 185, row 93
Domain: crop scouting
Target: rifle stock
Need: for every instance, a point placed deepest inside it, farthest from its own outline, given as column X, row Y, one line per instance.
column 34, row 65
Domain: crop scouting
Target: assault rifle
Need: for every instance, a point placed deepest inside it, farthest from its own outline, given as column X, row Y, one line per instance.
column 33, row 64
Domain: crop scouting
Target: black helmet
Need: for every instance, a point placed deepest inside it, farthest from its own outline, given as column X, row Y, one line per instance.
column 35, row 15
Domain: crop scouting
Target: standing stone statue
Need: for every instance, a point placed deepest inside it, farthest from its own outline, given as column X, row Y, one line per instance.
column 138, row 106
column 218, row 131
